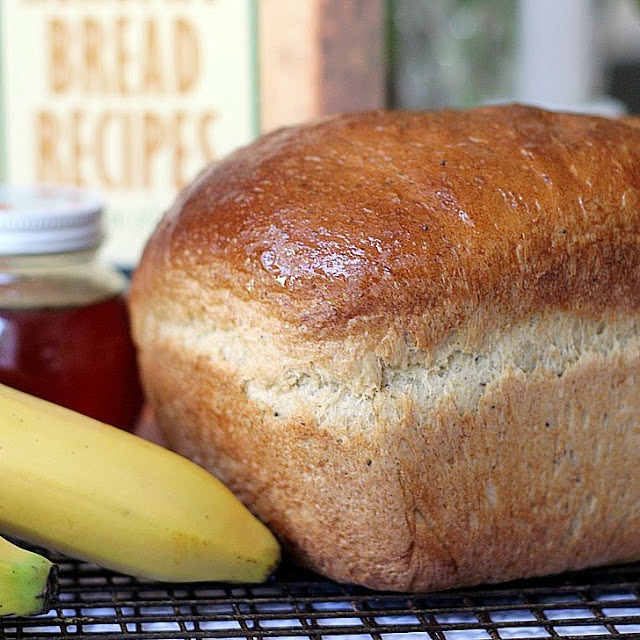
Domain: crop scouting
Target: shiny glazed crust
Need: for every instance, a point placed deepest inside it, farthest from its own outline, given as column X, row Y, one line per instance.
column 409, row 341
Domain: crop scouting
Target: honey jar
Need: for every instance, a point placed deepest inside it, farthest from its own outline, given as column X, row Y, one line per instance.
column 64, row 325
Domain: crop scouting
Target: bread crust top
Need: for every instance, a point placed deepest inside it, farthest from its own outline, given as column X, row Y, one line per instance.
column 337, row 224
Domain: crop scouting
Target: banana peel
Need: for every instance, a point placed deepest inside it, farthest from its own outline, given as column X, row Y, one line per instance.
column 94, row 492
column 28, row 581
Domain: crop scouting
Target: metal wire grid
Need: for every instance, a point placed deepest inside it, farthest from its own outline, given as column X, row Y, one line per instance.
column 101, row 605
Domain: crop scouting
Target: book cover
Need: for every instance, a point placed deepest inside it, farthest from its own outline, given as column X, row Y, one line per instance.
column 129, row 99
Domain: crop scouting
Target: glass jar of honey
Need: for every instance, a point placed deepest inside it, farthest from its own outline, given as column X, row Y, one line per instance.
column 64, row 325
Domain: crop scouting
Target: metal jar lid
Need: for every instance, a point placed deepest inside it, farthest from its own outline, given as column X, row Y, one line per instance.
column 45, row 219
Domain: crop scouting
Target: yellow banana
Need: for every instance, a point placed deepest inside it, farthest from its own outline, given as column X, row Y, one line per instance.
column 94, row 492
column 28, row 581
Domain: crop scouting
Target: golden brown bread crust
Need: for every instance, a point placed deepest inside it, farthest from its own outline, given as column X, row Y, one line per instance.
column 410, row 341
column 363, row 215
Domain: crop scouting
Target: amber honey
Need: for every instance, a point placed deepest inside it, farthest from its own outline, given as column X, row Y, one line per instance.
column 79, row 357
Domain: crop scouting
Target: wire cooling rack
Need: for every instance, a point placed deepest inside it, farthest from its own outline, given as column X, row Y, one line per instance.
column 97, row 604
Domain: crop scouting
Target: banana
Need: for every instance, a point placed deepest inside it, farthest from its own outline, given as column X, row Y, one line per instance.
column 28, row 581
column 99, row 494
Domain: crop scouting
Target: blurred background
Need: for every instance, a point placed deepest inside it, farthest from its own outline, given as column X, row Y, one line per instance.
column 132, row 98
column 572, row 54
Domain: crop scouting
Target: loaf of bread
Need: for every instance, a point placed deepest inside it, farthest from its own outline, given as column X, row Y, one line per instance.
column 410, row 342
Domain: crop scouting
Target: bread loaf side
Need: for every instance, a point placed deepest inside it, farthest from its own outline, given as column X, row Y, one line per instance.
column 410, row 341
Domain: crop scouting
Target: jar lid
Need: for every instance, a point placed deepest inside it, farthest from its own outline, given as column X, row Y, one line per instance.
column 48, row 219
